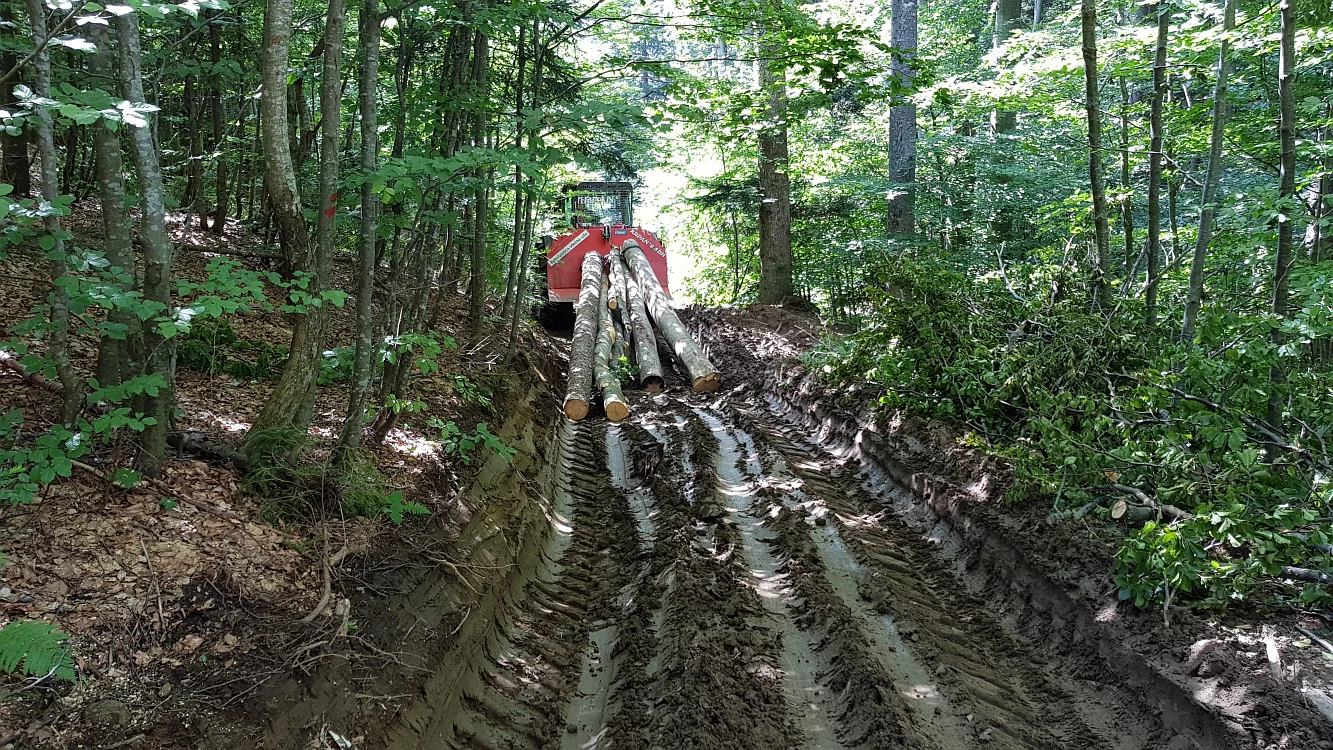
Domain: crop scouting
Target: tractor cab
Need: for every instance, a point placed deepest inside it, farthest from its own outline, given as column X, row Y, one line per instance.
column 595, row 217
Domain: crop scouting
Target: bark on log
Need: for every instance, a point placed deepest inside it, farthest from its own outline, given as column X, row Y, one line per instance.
column 10, row 362
column 613, row 399
column 1126, row 509
column 704, row 375
column 579, row 386
column 645, row 339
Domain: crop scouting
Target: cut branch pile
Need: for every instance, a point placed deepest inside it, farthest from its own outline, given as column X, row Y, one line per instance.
column 619, row 301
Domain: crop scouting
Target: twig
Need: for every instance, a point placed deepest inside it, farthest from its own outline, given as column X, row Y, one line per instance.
column 328, row 583
column 1310, row 634
column 157, row 589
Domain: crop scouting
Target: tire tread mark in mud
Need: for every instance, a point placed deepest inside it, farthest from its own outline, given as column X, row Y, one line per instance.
column 1014, row 693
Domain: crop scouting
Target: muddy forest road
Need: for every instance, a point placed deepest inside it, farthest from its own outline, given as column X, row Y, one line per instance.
column 706, row 578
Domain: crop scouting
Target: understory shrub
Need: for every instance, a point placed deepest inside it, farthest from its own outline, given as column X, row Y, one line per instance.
column 1086, row 405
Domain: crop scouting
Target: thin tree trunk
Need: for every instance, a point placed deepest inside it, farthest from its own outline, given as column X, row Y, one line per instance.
column 1102, row 231
column 219, row 147
column 578, row 382
column 1155, row 167
column 902, row 123
column 58, row 349
column 1126, row 188
column 477, row 285
column 520, row 64
column 283, row 409
column 775, row 258
column 613, row 398
column 363, row 370
column 1007, row 13
column 159, row 352
column 114, row 357
column 1286, row 81
column 17, row 171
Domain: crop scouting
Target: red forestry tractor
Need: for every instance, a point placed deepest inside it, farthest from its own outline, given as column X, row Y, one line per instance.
column 612, row 276
column 600, row 217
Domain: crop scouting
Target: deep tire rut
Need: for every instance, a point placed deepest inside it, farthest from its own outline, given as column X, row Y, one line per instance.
column 713, row 580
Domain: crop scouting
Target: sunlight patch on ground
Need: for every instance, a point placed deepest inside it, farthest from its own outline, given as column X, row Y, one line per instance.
column 409, row 444
column 226, row 423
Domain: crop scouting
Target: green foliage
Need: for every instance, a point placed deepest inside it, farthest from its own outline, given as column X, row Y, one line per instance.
column 213, row 348
column 395, row 507
column 466, row 446
column 473, row 393
column 35, row 649
column 1077, row 402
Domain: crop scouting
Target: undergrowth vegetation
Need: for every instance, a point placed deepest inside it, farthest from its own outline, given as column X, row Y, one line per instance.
column 1095, row 407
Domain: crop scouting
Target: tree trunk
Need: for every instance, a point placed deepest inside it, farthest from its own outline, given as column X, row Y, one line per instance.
column 1007, row 13
column 578, row 386
column 363, row 370
column 283, row 410
column 703, row 374
column 613, row 399
column 1286, row 81
column 1102, row 230
column 219, row 148
column 645, row 340
column 775, row 259
column 511, row 279
column 17, row 171
column 194, row 165
column 58, row 349
column 1155, row 167
column 902, row 123
column 114, row 358
column 477, row 284
column 159, row 352
column 1126, row 187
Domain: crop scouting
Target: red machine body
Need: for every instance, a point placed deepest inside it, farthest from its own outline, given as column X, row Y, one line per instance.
column 601, row 217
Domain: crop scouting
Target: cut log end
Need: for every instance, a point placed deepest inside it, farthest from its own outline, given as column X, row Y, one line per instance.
column 616, row 411
column 652, row 384
column 576, row 408
column 707, row 383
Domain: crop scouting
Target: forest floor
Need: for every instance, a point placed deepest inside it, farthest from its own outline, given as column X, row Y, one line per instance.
column 769, row 566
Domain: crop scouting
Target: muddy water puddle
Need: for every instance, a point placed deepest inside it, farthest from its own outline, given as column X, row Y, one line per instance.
column 703, row 577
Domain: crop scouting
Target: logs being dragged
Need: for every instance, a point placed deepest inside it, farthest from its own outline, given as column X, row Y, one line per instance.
column 702, row 373
column 645, row 339
column 579, row 388
column 613, row 399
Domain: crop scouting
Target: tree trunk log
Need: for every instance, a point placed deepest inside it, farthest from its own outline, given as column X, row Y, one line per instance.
column 613, row 399
column 645, row 339
column 579, row 387
column 704, row 375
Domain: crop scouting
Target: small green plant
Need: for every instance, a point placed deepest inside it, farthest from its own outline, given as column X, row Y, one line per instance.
column 35, row 649
column 473, row 393
column 395, row 507
column 336, row 366
column 626, row 372
column 465, row 445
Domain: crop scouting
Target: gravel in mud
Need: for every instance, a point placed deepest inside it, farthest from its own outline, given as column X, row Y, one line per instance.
column 710, row 579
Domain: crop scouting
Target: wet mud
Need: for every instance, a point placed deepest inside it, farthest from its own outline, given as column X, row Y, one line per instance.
column 707, row 576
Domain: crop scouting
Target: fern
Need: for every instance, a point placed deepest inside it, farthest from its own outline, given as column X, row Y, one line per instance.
column 35, row 647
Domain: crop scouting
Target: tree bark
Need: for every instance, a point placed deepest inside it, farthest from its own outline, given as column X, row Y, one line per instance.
column 114, row 358
column 902, row 122
column 613, row 399
column 477, row 283
column 362, row 367
column 1154, row 249
column 1007, row 13
column 1126, row 187
column 645, row 340
column 58, row 350
column 1286, row 81
column 17, row 171
column 286, row 405
column 159, row 352
column 511, row 279
column 775, row 258
column 578, row 386
column 219, row 147
column 703, row 374
column 1101, row 228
